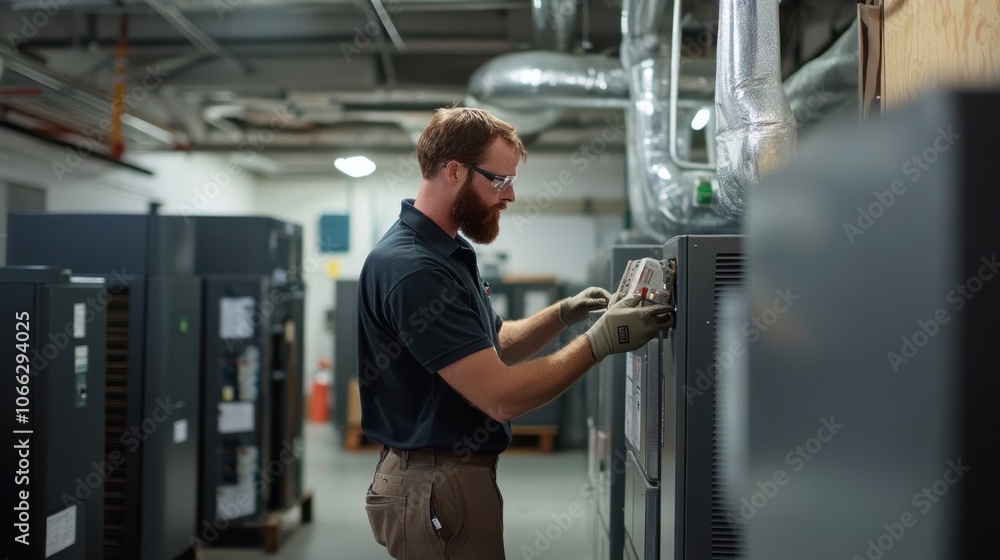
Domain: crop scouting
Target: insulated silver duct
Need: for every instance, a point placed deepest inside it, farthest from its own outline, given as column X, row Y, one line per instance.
column 532, row 89
column 554, row 21
column 663, row 185
column 827, row 85
column 542, row 79
column 756, row 130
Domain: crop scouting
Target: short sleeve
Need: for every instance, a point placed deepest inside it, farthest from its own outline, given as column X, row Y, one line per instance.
column 497, row 319
column 435, row 320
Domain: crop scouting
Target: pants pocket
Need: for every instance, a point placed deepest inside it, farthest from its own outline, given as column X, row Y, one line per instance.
column 387, row 515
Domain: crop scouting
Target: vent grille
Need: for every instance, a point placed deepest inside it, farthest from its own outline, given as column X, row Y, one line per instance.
column 115, row 424
column 726, row 538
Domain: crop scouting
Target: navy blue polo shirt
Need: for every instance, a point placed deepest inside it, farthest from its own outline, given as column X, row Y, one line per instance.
column 423, row 306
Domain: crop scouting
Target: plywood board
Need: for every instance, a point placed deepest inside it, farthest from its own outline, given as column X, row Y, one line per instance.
column 936, row 43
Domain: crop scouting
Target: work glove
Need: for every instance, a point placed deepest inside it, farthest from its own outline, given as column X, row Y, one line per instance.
column 577, row 308
column 626, row 327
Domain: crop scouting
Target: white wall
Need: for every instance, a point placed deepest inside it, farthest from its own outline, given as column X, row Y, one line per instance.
column 562, row 245
column 180, row 181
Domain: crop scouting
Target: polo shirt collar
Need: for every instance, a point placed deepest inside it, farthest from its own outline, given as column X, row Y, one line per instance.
column 436, row 237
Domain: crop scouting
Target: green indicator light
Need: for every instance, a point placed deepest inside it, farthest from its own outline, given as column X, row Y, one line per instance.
column 703, row 194
column 184, row 325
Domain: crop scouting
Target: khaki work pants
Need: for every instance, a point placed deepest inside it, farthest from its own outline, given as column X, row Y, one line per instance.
column 424, row 505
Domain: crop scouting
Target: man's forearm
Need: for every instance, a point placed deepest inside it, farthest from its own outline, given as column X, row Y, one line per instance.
column 534, row 383
column 522, row 339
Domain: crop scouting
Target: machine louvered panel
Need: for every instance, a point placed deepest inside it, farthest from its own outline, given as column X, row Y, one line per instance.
column 726, row 539
column 115, row 425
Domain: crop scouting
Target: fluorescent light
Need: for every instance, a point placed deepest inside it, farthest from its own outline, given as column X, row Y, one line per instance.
column 700, row 119
column 356, row 166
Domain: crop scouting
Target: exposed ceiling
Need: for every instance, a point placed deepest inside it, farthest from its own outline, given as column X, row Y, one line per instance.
column 296, row 75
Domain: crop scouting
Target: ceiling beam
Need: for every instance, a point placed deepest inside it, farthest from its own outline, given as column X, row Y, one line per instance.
column 198, row 38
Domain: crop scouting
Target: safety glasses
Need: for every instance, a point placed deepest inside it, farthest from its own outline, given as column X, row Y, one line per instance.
column 500, row 182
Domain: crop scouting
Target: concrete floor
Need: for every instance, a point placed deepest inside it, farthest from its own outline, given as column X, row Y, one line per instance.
column 542, row 494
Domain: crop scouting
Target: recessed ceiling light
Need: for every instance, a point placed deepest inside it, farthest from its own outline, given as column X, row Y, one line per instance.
column 355, row 166
column 700, row 119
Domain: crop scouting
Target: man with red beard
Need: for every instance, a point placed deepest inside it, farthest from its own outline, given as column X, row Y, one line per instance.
column 441, row 374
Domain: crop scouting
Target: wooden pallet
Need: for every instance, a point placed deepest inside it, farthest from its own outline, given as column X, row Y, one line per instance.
column 534, row 438
column 269, row 532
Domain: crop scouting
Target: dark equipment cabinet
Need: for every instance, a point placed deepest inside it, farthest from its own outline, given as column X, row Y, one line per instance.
column 153, row 346
column 236, row 434
column 345, row 333
column 271, row 250
column 674, row 506
column 58, row 327
column 605, row 388
column 885, row 366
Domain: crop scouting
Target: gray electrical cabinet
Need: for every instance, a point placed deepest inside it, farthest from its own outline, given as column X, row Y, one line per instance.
column 605, row 388
column 671, row 501
column 236, row 404
column 54, row 344
column 345, row 334
column 153, row 337
column 270, row 250
column 872, row 395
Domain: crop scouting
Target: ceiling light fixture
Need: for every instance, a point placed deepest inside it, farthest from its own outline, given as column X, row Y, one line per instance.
column 355, row 166
column 700, row 119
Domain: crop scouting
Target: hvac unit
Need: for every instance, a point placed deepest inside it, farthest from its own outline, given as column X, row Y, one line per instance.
column 605, row 388
column 54, row 344
column 267, row 253
column 153, row 342
column 875, row 392
column 672, row 504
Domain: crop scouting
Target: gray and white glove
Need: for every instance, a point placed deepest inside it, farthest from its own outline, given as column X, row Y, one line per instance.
column 625, row 327
column 577, row 308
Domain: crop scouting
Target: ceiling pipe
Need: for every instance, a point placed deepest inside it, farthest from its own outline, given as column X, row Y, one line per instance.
column 554, row 22
column 756, row 129
column 198, row 38
column 666, row 190
column 94, row 106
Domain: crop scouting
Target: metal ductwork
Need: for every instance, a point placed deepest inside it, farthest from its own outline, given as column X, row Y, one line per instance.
column 666, row 190
column 756, row 129
column 828, row 85
column 551, row 80
column 554, row 21
column 532, row 89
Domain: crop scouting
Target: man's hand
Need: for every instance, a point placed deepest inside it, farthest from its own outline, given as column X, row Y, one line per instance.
column 577, row 308
column 626, row 327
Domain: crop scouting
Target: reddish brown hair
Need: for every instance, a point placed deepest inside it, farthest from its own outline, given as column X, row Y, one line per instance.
column 462, row 134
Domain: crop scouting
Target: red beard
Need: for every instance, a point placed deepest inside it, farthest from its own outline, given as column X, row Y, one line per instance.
column 477, row 221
